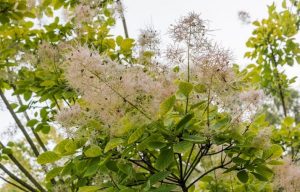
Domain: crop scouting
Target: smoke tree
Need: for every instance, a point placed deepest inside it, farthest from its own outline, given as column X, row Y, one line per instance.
column 122, row 115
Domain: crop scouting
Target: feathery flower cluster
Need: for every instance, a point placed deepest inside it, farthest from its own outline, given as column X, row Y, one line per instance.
column 3, row 75
column 75, row 117
column 47, row 55
column 112, row 89
column 83, row 13
column 262, row 139
column 60, row 188
column 118, row 8
column 189, row 29
column 252, row 96
column 209, row 63
column 213, row 69
column 189, row 38
column 214, row 64
column 249, row 101
column 148, row 44
column 244, row 17
column 30, row 4
column 287, row 176
column 69, row 117
column 149, row 39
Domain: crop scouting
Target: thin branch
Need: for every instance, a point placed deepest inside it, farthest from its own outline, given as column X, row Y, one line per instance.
column 223, row 149
column 20, row 125
column 36, row 135
column 121, row 12
column 113, row 181
column 197, row 159
column 188, row 69
column 281, row 93
column 13, row 184
column 121, row 96
column 180, row 167
column 18, row 180
column 207, row 172
column 188, row 160
column 24, row 170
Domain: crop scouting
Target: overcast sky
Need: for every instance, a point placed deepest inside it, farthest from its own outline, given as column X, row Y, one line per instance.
column 222, row 16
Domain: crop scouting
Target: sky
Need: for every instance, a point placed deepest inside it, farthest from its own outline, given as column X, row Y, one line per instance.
column 222, row 15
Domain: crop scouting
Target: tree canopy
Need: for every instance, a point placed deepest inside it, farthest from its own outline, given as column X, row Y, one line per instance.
column 103, row 112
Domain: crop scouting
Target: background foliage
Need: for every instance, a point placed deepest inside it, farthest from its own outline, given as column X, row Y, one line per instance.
column 99, row 112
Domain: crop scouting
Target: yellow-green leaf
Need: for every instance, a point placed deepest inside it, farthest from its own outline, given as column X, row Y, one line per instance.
column 135, row 135
column 47, row 157
column 167, row 105
column 185, row 88
column 88, row 188
column 113, row 143
column 93, row 151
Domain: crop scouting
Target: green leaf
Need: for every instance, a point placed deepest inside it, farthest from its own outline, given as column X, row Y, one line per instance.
column 44, row 113
column 184, row 121
column 93, row 151
column 92, row 168
column 231, row 169
column 10, row 144
column 156, row 144
column 167, row 105
column 136, row 135
column 71, row 146
column 119, row 40
column 48, row 83
column 298, row 57
column 127, row 44
column 194, row 138
column 238, row 160
column 182, row 146
column 126, row 168
column 60, row 147
column 22, row 108
column 53, row 173
column 288, row 121
column 47, row 157
column 256, row 23
column 243, row 176
column 259, row 177
column 58, row 4
column 185, row 88
column 14, row 105
column 49, row 12
column 158, row 177
column 221, row 123
column 45, row 129
column 200, row 88
column 164, row 188
column 275, row 162
column 27, row 95
column 89, row 188
column 164, row 159
column 283, row 4
column 113, row 143
column 176, row 69
column 32, row 122
column 274, row 151
column 7, row 151
column 46, row 3
column 264, row 170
